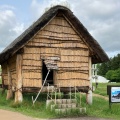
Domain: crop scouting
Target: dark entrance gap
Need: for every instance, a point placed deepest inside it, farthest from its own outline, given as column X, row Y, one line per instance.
column 44, row 73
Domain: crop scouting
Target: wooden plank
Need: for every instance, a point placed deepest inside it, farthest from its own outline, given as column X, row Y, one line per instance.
column 45, row 41
column 44, row 56
column 72, row 76
column 58, row 35
column 50, row 50
column 32, row 82
column 59, row 29
column 29, row 56
column 72, row 65
column 74, row 52
column 75, row 59
column 31, row 75
column 77, row 71
column 73, row 45
column 74, row 68
column 72, row 83
column 61, row 37
column 32, row 62
column 29, row 67
column 42, row 44
column 28, row 50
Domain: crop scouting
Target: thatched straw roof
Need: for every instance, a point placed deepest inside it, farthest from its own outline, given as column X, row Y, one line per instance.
column 98, row 56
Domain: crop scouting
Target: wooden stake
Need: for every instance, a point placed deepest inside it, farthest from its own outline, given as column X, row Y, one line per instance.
column 9, row 91
column 18, row 93
column 80, row 98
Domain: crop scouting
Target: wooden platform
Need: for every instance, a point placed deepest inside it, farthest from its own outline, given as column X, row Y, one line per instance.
column 84, row 89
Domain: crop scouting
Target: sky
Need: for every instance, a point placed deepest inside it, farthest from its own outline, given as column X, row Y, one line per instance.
column 100, row 17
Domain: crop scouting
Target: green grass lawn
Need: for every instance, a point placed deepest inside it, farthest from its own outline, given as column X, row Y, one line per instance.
column 100, row 107
column 102, row 88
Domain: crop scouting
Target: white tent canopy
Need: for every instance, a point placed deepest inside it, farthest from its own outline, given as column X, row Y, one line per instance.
column 100, row 79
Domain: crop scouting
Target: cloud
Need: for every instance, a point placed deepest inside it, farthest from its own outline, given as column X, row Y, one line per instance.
column 100, row 17
column 10, row 28
column 3, row 7
column 38, row 8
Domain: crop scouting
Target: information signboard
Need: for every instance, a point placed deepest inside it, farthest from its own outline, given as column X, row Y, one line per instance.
column 114, row 94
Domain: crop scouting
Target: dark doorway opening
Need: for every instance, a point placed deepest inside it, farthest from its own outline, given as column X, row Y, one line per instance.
column 44, row 73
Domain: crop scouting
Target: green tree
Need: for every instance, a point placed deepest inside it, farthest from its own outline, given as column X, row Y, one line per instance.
column 102, row 69
column 113, row 75
column 117, row 75
column 109, row 75
column 113, row 64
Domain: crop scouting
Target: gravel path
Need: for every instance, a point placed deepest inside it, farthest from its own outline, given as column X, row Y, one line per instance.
column 9, row 115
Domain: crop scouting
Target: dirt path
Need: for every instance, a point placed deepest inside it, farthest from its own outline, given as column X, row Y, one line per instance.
column 101, row 96
column 9, row 115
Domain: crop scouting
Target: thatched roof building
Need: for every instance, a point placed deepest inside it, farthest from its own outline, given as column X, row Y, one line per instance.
column 57, row 41
column 98, row 56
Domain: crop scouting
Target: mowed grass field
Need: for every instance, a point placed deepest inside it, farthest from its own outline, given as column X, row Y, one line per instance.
column 99, row 108
column 102, row 88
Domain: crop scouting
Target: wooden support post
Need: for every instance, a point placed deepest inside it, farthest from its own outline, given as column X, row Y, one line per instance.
column 3, row 89
column 9, row 91
column 80, row 98
column 75, row 93
column 18, row 93
column 89, row 94
column 55, row 97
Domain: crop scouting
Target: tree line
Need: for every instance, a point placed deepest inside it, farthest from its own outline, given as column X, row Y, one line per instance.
column 110, row 69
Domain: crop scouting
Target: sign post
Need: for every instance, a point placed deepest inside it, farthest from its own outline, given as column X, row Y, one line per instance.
column 114, row 94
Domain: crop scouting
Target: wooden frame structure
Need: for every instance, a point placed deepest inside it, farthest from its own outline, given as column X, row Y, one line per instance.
column 60, row 40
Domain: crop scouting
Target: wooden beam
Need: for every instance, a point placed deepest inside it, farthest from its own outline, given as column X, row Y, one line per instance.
column 18, row 92
column 9, row 91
